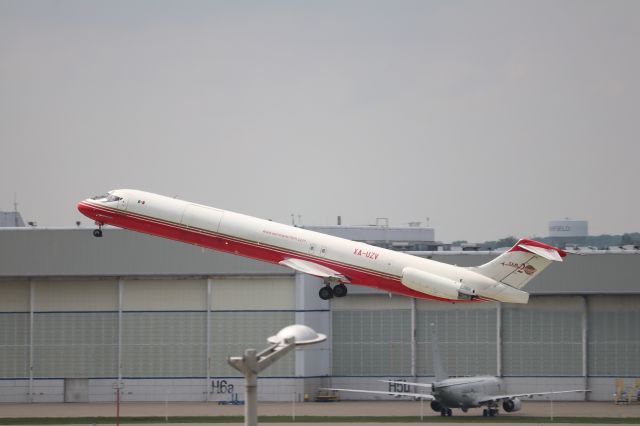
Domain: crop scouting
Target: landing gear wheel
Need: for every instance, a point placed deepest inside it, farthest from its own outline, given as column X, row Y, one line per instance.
column 325, row 293
column 98, row 232
column 340, row 290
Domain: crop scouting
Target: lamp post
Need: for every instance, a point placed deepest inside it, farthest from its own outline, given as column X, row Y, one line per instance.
column 253, row 362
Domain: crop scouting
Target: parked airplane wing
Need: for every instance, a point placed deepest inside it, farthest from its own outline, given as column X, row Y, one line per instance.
column 314, row 269
column 426, row 396
column 496, row 398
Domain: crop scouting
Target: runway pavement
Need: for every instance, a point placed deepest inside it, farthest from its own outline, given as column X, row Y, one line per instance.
column 344, row 408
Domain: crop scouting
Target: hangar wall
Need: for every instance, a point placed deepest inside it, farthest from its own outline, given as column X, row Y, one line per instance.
column 82, row 313
column 552, row 343
column 178, row 331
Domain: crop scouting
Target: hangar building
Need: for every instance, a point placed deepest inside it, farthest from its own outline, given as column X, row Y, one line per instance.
column 79, row 314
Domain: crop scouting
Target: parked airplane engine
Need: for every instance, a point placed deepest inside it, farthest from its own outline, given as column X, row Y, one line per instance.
column 511, row 405
column 435, row 285
column 436, row 406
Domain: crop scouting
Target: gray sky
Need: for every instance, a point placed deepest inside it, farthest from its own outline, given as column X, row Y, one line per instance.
column 489, row 117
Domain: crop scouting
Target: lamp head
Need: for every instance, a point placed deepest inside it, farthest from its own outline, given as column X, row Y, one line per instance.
column 302, row 334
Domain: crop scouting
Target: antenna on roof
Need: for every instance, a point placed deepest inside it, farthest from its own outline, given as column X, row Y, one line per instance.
column 15, row 209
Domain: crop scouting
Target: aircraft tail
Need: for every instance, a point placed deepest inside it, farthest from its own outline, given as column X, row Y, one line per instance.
column 524, row 261
column 438, row 367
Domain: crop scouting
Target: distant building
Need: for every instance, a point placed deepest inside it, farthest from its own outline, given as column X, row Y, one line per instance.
column 11, row 220
column 568, row 231
column 406, row 238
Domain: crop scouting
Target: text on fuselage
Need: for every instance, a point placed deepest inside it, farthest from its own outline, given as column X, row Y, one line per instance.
column 366, row 253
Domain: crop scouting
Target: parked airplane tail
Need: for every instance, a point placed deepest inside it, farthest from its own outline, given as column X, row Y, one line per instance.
column 439, row 370
column 525, row 260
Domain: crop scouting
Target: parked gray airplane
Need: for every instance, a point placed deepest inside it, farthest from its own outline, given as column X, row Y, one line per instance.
column 462, row 392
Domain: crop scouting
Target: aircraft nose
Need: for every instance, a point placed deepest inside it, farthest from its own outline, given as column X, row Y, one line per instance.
column 84, row 208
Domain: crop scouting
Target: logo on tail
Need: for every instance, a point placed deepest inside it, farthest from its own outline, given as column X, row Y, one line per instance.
column 525, row 260
column 521, row 267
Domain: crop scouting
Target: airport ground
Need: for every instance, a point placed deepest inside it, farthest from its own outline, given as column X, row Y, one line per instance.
column 407, row 412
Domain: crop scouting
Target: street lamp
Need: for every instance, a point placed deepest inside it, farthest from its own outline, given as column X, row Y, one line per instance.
column 254, row 362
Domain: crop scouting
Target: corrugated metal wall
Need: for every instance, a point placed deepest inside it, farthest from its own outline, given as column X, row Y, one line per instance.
column 371, row 336
column 163, row 332
column 614, row 336
column 467, row 336
column 75, row 331
column 164, row 326
column 543, row 338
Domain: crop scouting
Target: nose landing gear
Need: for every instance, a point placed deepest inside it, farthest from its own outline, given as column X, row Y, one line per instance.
column 98, row 232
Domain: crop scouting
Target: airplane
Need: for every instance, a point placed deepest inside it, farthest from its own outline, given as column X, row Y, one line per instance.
column 464, row 393
column 460, row 392
column 336, row 260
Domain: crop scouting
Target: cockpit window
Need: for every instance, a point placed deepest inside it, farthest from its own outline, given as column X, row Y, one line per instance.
column 107, row 197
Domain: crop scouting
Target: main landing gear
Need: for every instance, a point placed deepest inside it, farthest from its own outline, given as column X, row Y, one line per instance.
column 446, row 412
column 489, row 412
column 98, row 232
column 326, row 292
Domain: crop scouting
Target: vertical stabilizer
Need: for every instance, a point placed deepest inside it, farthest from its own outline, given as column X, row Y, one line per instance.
column 524, row 261
column 438, row 367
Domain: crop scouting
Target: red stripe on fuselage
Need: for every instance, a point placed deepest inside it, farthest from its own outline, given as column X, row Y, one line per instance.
column 246, row 248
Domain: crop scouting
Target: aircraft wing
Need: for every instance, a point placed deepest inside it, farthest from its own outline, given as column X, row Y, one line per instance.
column 400, row 382
column 426, row 396
column 495, row 398
column 314, row 269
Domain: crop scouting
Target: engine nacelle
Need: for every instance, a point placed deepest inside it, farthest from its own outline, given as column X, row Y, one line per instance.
column 435, row 285
column 436, row 406
column 511, row 405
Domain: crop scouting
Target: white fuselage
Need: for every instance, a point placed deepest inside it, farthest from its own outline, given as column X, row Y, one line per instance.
column 269, row 241
column 466, row 392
